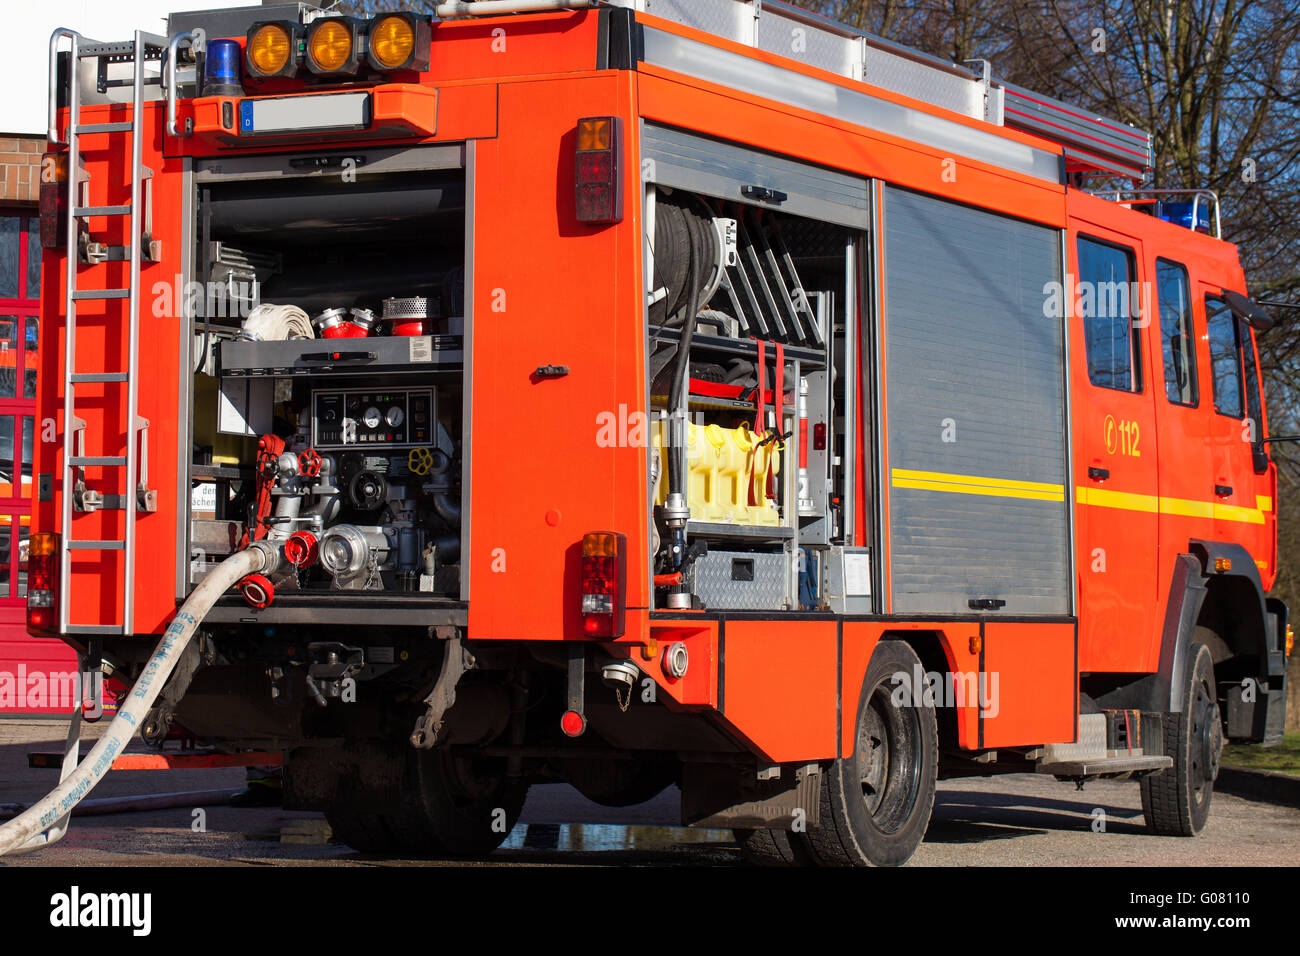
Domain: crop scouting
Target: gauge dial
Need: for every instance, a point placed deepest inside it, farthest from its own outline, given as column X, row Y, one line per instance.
column 372, row 417
column 395, row 417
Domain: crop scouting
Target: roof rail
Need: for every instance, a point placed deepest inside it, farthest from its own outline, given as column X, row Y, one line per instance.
column 486, row 8
column 1182, row 212
column 1091, row 143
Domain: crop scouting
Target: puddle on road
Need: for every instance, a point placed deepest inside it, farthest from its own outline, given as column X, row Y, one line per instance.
column 568, row 837
column 604, row 837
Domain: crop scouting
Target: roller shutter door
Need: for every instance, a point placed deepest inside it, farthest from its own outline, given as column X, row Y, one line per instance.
column 977, row 472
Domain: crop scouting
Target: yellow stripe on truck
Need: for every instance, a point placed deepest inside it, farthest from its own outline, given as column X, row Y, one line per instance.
column 976, row 485
column 1186, row 507
column 1096, row 497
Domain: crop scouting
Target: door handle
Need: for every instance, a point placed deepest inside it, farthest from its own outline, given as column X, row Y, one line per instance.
column 1223, row 491
column 1098, row 474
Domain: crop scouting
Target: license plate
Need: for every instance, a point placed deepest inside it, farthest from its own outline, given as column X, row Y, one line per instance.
column 293, row 114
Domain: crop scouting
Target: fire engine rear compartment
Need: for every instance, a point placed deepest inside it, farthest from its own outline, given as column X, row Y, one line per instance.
column 363, row 469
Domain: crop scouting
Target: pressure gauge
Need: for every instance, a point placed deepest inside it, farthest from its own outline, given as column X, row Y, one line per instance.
column 372, row 417
column 395, row 417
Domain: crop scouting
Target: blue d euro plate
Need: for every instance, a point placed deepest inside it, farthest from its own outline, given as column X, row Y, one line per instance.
column 324, row 112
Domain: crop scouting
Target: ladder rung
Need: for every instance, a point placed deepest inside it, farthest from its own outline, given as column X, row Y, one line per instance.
column 96, row 545
column 91, row 461
column 122, row 127
column 82, row 211
column 102, row 294
column 80, row 377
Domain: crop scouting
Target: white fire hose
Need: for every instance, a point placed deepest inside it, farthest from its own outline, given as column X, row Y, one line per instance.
column 46, row 821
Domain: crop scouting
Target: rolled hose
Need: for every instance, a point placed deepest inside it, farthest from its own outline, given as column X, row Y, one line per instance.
column 45, row 821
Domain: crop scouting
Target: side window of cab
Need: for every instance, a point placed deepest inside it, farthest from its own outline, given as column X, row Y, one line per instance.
column 1107, row 274
column 1235, row 373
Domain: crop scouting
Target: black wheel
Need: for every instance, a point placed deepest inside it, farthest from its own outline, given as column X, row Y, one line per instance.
column 365, row 832
column 1176, row 802
column 773, row 848
column 450, row 805
column 458, row 805
column 875, row 805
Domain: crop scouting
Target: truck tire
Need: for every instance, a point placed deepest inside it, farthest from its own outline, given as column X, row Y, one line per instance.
column 875, row 805
column 458, row 806
column 773, row 848
column 1176, row 802
column 364, row 832
column 451, row 805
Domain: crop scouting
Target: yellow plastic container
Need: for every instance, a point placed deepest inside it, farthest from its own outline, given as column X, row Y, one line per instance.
column 722, row 485
column 735, row 462
column 702, row 444
column 765, row 460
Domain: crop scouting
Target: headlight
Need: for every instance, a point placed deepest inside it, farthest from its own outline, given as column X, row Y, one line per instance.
column 399, row 41
column 333, row 45
column 272, row 48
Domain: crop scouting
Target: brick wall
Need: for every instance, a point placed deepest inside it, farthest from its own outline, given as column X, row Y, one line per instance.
column 20, row 164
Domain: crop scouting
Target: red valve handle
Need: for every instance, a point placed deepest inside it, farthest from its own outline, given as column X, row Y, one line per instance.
column 309, row 463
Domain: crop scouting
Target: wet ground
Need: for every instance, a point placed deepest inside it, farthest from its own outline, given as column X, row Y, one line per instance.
column 1006, row 821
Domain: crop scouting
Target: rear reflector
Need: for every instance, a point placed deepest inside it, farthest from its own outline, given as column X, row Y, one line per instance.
column 604, row 584
column 573, row 723
column 598, row 193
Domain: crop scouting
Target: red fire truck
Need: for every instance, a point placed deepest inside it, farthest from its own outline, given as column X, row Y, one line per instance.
column 646, row 392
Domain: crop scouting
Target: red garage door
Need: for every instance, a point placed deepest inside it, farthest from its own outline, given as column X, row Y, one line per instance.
column 31, row 670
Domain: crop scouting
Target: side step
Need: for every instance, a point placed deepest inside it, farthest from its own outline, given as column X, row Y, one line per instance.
column 1104, row 765
column 1110, row 742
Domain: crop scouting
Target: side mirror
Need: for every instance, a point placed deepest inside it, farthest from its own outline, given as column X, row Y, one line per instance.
column 1248, row 310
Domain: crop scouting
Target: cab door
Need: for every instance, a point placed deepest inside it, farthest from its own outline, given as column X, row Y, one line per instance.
column 1242, row 492
column 1117, row 501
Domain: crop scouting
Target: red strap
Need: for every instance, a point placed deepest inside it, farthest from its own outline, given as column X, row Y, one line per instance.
column 778, row 399
column 760, row 426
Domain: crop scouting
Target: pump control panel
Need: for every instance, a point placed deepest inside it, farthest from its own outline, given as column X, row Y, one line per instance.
column 367, row 418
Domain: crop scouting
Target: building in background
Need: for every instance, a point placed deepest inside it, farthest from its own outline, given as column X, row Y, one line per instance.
column 24, row 65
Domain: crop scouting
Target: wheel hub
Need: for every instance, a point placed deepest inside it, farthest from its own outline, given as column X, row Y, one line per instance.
column 1211, row 738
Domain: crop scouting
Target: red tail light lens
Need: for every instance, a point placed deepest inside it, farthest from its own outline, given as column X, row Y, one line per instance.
column 43, row 584
column 598, row 167
column 604, row 584
column 54, row 200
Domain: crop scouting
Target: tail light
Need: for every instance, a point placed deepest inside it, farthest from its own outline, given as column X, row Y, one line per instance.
column 54, row 200
column 598, row 170
column 604, row 584
column 43, row 584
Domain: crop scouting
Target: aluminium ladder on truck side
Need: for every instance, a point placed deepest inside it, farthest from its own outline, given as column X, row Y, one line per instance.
column 77, row 498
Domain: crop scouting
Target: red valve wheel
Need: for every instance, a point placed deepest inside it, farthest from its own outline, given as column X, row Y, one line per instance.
column 257, row 590
column 309, row 463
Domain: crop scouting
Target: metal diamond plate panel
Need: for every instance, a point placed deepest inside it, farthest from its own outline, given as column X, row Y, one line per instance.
column 726, row 18
column 739, row 580
column 805, row 43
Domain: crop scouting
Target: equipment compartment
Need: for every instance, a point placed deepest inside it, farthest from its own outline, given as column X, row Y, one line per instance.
column 331, row 319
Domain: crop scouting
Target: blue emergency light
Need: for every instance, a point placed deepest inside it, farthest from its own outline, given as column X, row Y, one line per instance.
column 222, row 74
column 1180, row 214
